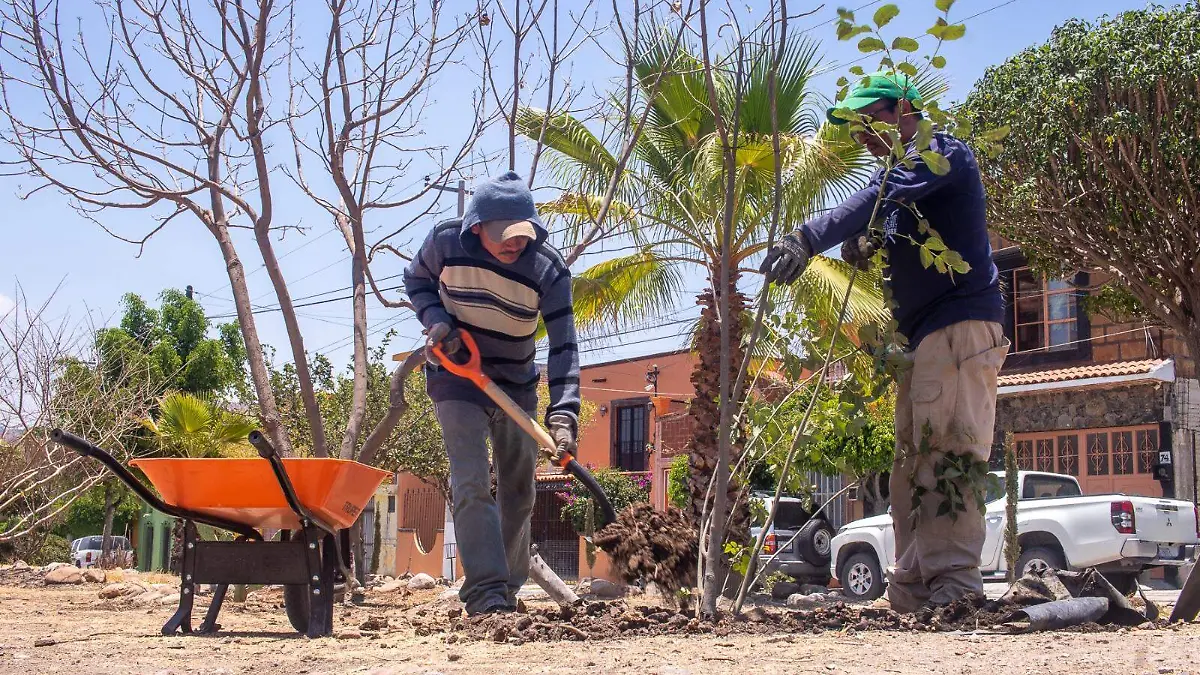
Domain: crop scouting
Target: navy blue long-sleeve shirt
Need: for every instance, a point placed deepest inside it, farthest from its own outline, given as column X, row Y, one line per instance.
column 954, row 205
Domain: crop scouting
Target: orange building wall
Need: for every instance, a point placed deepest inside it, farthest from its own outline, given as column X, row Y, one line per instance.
column 628, row 378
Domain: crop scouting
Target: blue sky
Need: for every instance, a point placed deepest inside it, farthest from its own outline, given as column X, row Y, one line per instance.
column 46, row 244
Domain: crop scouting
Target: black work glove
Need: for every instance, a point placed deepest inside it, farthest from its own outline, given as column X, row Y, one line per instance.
column 859, row 249
column 563, row 430
column 786, row 260
column 441, row 334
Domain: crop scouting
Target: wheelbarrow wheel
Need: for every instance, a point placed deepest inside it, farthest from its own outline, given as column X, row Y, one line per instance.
column 295, row 603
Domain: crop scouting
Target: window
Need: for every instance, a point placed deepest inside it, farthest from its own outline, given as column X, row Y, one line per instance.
column 1119, row 460
column 391, row 504
column 1049, row 487
column 630, row 434
column 1044, row 315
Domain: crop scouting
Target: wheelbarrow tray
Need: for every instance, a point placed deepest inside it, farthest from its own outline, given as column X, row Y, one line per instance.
column 246, row 491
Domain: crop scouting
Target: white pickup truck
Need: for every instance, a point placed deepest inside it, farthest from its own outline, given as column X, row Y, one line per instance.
column 1058, row 528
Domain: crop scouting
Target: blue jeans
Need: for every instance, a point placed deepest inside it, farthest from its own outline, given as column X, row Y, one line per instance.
column 492, row 534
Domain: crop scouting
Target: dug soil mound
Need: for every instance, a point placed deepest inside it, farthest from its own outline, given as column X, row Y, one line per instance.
column 619, row 619
column 650, row 545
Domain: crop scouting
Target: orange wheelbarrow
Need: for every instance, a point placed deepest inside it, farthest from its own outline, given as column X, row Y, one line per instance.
column 313, row 502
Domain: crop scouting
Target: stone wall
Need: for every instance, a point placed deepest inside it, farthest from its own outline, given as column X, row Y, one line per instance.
column 1185, row 436
column 1078, row 409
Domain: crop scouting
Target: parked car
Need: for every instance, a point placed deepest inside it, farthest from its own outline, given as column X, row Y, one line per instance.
column 85, row 551
column 1058, row 528
column 797, row 544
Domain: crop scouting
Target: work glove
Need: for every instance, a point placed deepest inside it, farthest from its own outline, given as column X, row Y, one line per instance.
column 859, row 249
column 441, row 334
column 786, row 260
column 562, row 430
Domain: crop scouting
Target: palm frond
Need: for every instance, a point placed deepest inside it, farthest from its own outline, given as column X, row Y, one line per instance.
column 624, row 291
column 796, row 66
column 821, row 289
column 569, row 137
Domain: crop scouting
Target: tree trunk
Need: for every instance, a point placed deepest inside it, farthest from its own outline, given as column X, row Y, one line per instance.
column 550, row 582
column 871, row 488
column 110, row 511
column 358, row 554
column 704, row 413
column 173, row 565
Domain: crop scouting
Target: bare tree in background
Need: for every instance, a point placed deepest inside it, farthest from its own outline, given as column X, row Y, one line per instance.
column 54, row 376
column 358, row 111
column 161, row 109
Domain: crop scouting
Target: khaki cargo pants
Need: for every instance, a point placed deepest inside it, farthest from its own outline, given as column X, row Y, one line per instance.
column 952, row 386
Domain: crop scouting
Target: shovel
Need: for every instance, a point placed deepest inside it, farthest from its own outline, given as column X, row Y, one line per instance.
column 472, row 370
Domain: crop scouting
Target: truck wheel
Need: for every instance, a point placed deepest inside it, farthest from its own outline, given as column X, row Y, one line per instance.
column 816, row 541
column 1038, row 560
column 861, row 577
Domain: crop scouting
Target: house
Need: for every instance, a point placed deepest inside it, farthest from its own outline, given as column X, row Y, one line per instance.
column 1115, row 404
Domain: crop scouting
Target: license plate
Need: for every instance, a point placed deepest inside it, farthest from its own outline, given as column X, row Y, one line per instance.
column 1168, row 551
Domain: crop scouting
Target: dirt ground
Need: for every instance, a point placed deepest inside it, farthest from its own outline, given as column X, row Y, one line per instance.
column 69, row 629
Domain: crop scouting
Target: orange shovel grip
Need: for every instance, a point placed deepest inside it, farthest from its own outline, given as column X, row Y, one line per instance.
column 472, row 369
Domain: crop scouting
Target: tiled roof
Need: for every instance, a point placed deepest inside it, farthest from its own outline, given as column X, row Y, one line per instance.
column 1142, row 367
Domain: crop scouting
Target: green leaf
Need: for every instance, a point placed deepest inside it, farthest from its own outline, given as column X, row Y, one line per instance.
column 935, row 244
column 996, row 134
column 940, row 265
column 845, row 114
column 924, row 134
column 922, row 226
column 936, row 163
column 842, row 82
column 871, row 44
column 907, row 68
column 943, row 5
column 938, row 61
column 947, row 32
column 962, row 267
column 926, row 257
column 841, row 96
column 905, row 44
column 885, row 14
column 857, row 70
column 845, row 14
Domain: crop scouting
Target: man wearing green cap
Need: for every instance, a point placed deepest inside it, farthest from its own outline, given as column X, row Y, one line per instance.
column 953, row 324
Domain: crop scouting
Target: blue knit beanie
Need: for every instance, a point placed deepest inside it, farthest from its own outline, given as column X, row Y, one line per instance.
column 505, row 197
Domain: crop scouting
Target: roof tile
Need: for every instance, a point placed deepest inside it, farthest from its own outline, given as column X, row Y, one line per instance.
column 1080, row 372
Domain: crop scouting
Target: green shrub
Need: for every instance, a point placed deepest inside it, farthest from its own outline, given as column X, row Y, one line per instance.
column 53, row 549
column 677, row 482
column 621, row 490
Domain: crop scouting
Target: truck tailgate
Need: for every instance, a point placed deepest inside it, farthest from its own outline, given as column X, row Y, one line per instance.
column 1165, row 520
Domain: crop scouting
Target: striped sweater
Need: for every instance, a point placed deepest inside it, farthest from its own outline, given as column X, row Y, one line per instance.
column 453, row 279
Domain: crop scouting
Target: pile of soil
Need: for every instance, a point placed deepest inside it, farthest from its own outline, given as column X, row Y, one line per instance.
column 654, row 546
column 606, row 620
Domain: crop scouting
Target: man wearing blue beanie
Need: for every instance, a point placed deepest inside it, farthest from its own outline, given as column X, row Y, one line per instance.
column 492, row 273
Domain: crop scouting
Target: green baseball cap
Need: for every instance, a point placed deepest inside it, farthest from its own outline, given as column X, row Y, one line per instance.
column 885, row 84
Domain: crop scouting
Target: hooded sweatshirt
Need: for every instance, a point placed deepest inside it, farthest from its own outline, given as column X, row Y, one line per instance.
column 454, row 280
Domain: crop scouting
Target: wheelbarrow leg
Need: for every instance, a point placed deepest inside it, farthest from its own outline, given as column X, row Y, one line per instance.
column 210, row 624
column 322, row 561
column 182, row 619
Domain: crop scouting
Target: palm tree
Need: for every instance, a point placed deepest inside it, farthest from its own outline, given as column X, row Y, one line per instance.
column 670, row 202
column 189, row 426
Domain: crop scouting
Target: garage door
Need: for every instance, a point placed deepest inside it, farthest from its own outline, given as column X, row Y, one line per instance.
column 1106, row 461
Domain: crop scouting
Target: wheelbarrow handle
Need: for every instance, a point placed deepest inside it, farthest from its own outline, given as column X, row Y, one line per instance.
column 473, row 370
column 88, row 449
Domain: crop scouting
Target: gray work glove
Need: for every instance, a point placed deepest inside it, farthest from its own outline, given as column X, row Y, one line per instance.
column 441, row 334
column 859, row 249
column 786, row 260
column 563, row 430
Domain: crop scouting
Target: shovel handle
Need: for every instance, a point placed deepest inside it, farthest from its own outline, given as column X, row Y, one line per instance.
column 472, row 369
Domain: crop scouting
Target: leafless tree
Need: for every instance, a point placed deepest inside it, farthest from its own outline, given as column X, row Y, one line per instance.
column 161, row 107
column 54, row 376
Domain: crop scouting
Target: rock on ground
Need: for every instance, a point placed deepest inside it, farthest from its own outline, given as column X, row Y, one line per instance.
column 64, row 575
column 94, row 576
column 421, row 582
column 52, row 566
column 801, row 601
column 392, row 586
column 602, row 588
column 120, row 590
column 20, row 565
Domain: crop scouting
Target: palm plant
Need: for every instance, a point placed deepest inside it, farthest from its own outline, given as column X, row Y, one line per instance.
column 189, row 426
column 671, row 196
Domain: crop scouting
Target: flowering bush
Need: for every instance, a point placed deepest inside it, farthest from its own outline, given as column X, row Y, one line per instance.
column 622, row 490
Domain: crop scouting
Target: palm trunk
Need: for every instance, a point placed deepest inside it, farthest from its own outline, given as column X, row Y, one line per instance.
column 705, row 413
